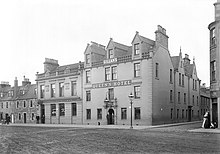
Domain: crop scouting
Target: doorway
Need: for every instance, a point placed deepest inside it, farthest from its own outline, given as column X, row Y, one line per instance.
column 25, row 117
column 42, row 107
column 189, row 113
column 110, row 117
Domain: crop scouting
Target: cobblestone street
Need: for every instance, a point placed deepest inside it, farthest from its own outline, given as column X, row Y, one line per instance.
column 176, row 139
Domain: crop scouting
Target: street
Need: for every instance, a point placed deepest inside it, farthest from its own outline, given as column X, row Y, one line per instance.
column 176, row 139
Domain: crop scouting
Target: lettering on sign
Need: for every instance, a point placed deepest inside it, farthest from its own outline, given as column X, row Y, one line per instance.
column 108, row 61
column 112, row 84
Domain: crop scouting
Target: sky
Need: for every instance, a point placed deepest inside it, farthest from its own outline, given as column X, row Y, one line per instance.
column 31, row 30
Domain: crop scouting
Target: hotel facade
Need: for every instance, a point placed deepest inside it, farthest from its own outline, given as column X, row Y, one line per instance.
column 214, row 29
column 166, row 88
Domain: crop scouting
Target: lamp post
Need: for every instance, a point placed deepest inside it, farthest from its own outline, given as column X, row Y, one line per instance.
column 131, row 97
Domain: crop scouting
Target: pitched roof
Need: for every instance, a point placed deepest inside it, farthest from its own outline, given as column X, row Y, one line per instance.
column 122, row 46
column 97, row 49
column 29, row 92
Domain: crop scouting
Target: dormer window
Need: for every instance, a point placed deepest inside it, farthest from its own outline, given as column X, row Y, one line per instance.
column 1, row 94
column 110, row 53
column 10, row 93
column 136, row 49
column 87, row 58
column 22, row 92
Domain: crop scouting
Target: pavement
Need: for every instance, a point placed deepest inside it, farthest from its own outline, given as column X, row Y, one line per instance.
column 199, row 130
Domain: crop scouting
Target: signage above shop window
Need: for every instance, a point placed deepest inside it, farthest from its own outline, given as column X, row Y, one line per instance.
column 112, row 84
column 109, row 61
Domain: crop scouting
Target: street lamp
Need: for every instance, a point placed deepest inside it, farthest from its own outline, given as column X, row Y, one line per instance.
column 131, row 97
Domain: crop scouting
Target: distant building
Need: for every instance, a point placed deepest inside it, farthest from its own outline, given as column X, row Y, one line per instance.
column 205, row 100
column 18, row 102
column 215, row 65
column 60, row 93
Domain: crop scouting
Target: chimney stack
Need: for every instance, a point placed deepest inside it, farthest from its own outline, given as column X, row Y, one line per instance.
column 161, row 36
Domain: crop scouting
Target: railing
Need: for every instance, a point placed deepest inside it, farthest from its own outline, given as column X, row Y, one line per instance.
column 53, row 74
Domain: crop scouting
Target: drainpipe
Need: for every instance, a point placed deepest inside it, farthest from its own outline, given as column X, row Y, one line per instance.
column 174, row 103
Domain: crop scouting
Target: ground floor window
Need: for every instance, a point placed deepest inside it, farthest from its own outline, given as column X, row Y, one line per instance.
column 74, row 109
column 62, row 109
column 137, row 113
column 99, row 113
column 53, row 109
column 123, row 113
column 88, row 114
column 32, row 116
column 19, row 116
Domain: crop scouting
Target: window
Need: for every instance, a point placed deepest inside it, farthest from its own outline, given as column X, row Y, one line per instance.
column 2, row 105
column 73, row 88
column 171, row 75
column 114, row 73
column 88, row 114
column 157, row 70
column 184, row 97
column 107, row 74
column 171, row 114
column 19, row 116
column 88, row 76
column 41, row 91
column 61, row 89
column 182, row 79
column 123, row 113
column 1, row 94
column 171, row 95
column 6, row 104
column 17, row 104
column 197, row 101
column 87, row 58
column 186, row 113
column 74, row 109
column 32, row 116
column 53, row 109
column 195, row 84
column 136, row 49
column 179, row 79
column 62, row 109
column 31, row 103
column 137, row 70
column 178, row 97
column 52, row 89
column 111, row 93
column 110, row 53
column 137, row 92
column 192, row 113
column 99, row 114
column 193, row 99
column 137, row 113
column 212, row 36
column 11, row 93
column 88, row 95
column 24, row 104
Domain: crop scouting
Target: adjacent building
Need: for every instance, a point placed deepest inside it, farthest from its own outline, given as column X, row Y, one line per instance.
column 60, row 93
column 214, row 29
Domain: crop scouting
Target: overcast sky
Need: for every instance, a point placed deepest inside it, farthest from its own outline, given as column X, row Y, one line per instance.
column 31, row 30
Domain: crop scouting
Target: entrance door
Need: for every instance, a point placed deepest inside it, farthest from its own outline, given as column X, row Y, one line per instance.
column 25, row 118
column 42, row 113
column 110, row 117
column 189, row 113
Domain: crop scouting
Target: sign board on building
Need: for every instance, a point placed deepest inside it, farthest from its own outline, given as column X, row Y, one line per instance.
column 109, row 61
column 112, row 84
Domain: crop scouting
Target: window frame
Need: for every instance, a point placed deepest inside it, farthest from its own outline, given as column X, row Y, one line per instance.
column 137, row 70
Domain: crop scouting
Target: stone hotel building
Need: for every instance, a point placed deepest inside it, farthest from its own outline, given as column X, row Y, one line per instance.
column 166, row 88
